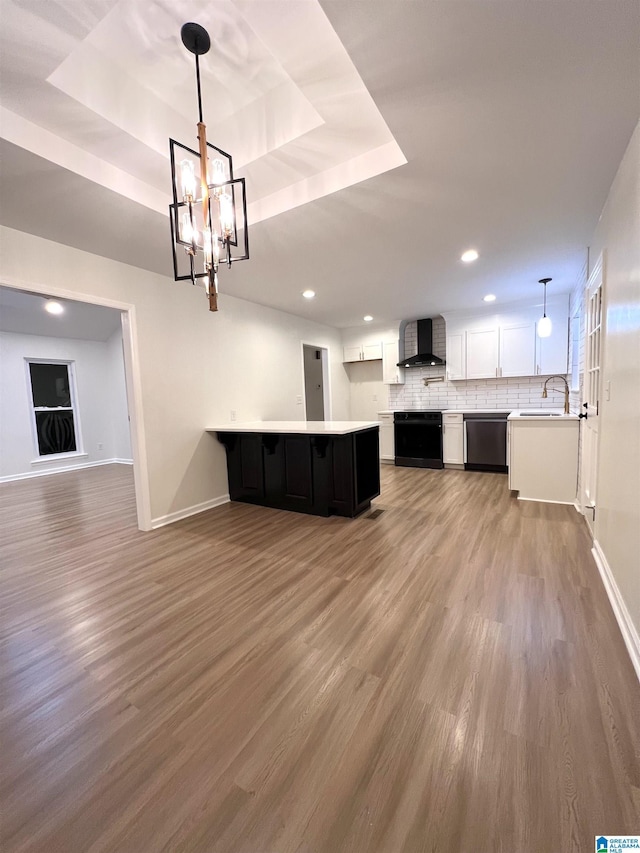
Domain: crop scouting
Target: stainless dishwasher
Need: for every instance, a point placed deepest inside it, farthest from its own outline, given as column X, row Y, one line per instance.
column 485, row 441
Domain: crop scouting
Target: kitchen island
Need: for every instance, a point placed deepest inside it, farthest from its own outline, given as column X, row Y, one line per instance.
column 317, row 467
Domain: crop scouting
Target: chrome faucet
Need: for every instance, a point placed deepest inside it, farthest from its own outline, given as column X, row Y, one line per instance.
column 566, row 390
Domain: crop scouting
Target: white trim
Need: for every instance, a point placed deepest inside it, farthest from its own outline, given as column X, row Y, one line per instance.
column 65, row 469
column 542, row 501
column 53, row 457
column 132, row 378
column 163, row 520
column 620, row 611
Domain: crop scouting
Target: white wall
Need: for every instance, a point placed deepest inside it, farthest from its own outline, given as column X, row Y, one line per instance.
column 194, row 366
column 100, row 392
column 117, row 391
column 368, row 394
column 617, row 523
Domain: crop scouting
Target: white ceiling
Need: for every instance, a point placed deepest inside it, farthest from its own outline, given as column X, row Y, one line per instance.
column 24, row 313
column 512, row 117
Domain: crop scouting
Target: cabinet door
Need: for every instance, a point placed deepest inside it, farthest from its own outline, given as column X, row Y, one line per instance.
column 452, row 443
column 518, row 349
column 455, row 356
column 391, row 373
column 352, row 353
column 387, row 448
column 553, row 352
column 371, row 352
column 482, row 353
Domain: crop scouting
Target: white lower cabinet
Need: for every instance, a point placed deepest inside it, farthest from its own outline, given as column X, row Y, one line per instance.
column 387, row 441
column 543, row 458
column 452, row 439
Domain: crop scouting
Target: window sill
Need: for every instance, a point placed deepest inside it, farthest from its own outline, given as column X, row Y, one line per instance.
column 53, row 457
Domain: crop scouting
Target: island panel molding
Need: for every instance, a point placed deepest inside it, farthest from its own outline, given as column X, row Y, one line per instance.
column 320, row 468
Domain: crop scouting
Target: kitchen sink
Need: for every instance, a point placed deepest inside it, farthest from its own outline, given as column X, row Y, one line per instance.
column 541, row 414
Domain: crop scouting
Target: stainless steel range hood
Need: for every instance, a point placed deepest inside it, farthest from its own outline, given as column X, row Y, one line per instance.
column 425, row 357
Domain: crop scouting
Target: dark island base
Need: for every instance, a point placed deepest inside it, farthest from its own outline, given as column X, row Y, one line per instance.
column 316, row 474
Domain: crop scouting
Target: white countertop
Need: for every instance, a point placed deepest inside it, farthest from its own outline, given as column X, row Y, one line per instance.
column 296, row 427
column 554, row 416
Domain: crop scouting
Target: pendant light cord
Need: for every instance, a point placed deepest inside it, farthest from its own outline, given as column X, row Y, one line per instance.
column 199, row 92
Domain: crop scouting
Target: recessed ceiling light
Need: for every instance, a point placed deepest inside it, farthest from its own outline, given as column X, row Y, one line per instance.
column 53, row 307
column 490, row 297
column 367, row 318
column 469, row 255
column 308, row 294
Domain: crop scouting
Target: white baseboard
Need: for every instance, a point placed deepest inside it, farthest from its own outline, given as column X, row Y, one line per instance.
column 542, row 501
column 64, row 469
column 190, row 510
column 623, row 617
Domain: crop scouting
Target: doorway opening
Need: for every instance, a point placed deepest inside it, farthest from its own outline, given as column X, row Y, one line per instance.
column 96, row 339
column 315, row 362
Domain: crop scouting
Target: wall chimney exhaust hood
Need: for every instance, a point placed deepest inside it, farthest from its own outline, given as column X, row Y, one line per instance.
column 425, row 357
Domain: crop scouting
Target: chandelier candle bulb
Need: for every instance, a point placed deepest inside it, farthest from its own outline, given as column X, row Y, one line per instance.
column 217, row 172
column 188, row 180
column 226, row 214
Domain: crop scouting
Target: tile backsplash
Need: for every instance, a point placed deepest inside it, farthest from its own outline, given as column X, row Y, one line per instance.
column 523, row 392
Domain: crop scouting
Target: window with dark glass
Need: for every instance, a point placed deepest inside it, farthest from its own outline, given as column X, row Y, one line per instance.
column 53, row 407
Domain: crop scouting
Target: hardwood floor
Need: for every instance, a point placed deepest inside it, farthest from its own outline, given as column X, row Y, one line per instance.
column 446, row 676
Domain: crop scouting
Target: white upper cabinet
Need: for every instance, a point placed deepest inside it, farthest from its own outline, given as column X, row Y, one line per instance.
column 371, row 352
column 455, row 365
column 391, row 373
column 517, row 349
column 368, row 351
column 482, row 353
column 552, row 352
column 506, row 344
column 352, row 353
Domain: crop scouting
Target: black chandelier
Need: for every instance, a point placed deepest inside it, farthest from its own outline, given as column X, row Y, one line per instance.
column 209, row 211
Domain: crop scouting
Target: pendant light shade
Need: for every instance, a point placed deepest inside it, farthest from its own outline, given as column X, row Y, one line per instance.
column 544, row 323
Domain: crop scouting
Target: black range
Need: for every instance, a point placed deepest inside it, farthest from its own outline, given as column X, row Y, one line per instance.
column 418, row 438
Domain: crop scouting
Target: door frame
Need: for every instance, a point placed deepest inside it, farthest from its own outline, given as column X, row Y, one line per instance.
column 133, row 382
column 326, row 378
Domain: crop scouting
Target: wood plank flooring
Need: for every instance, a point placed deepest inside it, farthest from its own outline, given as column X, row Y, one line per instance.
column 448, row 676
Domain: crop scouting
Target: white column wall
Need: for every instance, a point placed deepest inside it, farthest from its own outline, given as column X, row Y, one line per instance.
column 617, row 522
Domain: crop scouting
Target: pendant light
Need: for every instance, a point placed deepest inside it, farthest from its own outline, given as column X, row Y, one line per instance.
column 544, row 323
column 209, row 211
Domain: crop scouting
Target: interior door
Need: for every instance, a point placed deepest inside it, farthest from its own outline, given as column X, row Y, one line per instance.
column 594, row 320
column 313, row 383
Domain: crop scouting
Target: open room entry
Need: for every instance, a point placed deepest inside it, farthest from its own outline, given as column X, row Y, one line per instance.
column 64, row 345
column 315, row 362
